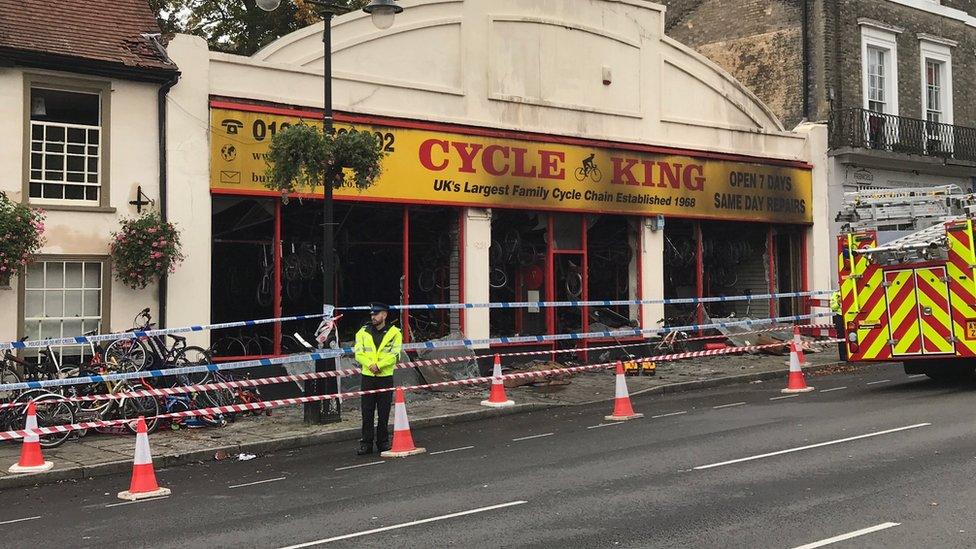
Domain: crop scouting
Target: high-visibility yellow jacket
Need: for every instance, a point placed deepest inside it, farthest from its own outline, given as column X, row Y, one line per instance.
column 385, row 357
column 835, row 302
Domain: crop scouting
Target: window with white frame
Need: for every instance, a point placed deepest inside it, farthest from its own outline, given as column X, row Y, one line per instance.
column 65, row 146
column 63, row 299
column 876, row 79
column 879, row 69
column 936, row 65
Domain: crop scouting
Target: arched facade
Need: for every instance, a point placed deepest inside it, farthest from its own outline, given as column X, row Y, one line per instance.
column 530, row 144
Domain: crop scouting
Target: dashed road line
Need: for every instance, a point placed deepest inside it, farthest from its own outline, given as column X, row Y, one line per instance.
column 533, row 436
column 784, row 396
column 605, row 425
column 849, row 535
column 406, row 524
column 834, row 389
column 257, row 482
column 671, row 414
column 346, row 468
column 20, row 520
column 728, row 405
column 449, row 451
column 913, row 376
column 877, row 382
column 812, row 446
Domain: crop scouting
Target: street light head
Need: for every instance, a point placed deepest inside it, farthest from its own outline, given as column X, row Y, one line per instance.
column 383, row 12
column 268, row 5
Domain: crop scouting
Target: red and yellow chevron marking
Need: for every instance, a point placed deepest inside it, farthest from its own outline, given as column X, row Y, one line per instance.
column 933, row 304
column 845, row 265
column 962, row 284
column 903, row 313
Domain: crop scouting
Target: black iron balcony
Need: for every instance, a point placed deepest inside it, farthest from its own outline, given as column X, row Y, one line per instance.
column 864, row 129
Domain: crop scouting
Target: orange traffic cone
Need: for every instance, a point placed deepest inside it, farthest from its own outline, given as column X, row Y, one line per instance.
column 795, row 383
column 496, row 397
column 622, row 410
column 31, row 460
column 402, row 439
column 143, row 483
column 798, row 344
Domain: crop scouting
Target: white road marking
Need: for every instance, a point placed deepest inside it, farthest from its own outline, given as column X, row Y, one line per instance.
column 257, row 482
column 605, row 425
column 358, row 466
column 406, row 524
column 533, row 436
column 834, row 389
column 849, row 535
column 916, row 375
column 671, row 414
column 136, row 501
column 877, row 382
column 784, row 396
column 449, row 451
column 811, row 446
column 20, row 520
column 728, row 405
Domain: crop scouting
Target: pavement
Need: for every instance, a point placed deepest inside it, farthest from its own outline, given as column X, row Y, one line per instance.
column 103, row 454
column 871, row 458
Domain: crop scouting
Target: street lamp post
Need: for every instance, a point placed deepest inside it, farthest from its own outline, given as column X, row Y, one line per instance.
column 383, row 12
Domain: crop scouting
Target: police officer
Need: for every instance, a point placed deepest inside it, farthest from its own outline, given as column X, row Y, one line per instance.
column 835, row 307
column 377, row 351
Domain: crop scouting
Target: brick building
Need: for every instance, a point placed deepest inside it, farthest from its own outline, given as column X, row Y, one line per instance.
column 890, row 78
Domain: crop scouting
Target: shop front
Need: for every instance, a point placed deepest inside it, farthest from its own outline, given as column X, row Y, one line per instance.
column 474, row 214
column 534, row 151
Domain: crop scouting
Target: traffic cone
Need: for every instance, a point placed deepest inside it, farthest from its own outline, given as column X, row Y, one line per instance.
column 622, row 410
column 143, row 483
column 496, row 397
column 795, row 383
column 402, row 439
column 31, row 460
column 798, row 344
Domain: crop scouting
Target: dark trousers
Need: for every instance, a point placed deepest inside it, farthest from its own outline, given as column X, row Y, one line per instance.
column 841, row 334
column 378, row 405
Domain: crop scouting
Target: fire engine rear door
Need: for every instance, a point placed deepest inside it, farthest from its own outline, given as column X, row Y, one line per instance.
column 932, row 289
column 903, row 313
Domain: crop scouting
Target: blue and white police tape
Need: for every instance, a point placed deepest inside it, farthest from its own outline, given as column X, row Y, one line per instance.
column 444, row 344
column 139, row 334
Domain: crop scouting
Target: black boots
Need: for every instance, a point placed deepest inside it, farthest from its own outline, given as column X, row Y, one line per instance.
column 364, row 449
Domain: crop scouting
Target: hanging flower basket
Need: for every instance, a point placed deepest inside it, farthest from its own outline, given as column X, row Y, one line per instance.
column 301, row 156
column 21, row 236
column 144, row 249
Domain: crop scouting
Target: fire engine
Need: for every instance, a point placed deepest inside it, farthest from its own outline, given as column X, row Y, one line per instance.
column 910, row 297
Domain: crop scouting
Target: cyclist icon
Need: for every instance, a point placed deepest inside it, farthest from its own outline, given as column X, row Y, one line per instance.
column 589, row 169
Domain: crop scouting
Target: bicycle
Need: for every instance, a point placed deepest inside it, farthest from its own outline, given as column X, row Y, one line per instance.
column 265, row 289
column 51, row 407
column 152, row 351
column 589, row 170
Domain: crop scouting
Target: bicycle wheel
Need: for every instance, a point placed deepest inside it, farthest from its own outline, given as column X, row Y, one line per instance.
column 426, row 280
column 132, row 352
column 218, row 397
column 596, row 175
column 574, row 285
column 580, row 174
column 193, row 356
column 497, row 278
column 134, row 407
column 52, row 410
column 8, row 376
column 264, row 291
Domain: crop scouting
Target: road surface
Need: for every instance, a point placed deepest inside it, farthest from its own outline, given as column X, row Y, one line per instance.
column 871, row 459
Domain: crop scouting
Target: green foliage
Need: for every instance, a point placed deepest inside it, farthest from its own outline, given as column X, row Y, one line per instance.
column 144, row 249
column 21, row 230
column 300, row 155
column 240, row 26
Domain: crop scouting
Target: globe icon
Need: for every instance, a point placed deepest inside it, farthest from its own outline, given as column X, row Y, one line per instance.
column 228, row 152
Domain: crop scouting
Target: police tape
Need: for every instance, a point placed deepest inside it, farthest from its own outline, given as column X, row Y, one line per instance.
column 273, row 380
column 141, row 334
column 270, row 404
column 335, row 353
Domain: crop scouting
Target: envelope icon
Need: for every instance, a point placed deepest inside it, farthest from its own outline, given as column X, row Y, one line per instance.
column 230, row 178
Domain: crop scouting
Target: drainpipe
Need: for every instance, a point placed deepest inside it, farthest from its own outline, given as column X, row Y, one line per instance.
column 805, row 37
column 162, row 123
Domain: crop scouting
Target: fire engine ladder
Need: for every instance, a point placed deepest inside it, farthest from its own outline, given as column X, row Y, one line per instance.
column 900, row 208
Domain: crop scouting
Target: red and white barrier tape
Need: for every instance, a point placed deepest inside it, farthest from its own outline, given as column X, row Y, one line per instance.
column 267, row 405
